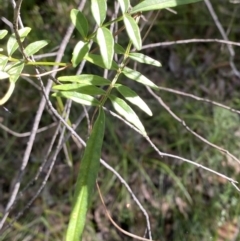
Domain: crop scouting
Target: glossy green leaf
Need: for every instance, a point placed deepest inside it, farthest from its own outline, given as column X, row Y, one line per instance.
column 80, row 50
column 124, row 4
column 97, row 60
column 80, row 22
column 118, row 49
column 34, row 47
column 3, row 33
column 3, row 61
column 12, row 44
column 137, row 76
column 14, row 71
column 127, row 112
column 88, row 172
column 3, row 75
column 99, row 10
column 78, row 97
column 149, row 5
column 106, row 45
column 132, row 97
column 86, row 79
column 132, row 31
column 141, row 58
column 84, row 89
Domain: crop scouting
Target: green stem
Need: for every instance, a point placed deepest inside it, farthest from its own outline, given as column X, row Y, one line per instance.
column 119, row 71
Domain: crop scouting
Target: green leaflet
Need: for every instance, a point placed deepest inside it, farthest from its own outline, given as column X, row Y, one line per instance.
column 132, row 97
column 137, row 76
column 132, row 31
column 141, row 58
column 78, row 97
column 106, row 44
column 97, row 60
column 86, row 79
column 99, row 10
column 84, row 89
column 127, row 112
column 86, row 180
column 80, row 50
column 12, row 44
column 3, row 33
column 34, row 47
column 3, row 75
column 14, row 71
column 80, row 22
column 118, row 49
column 149, row 5
column 8, row 94
column 124, row 4
column 3, row 61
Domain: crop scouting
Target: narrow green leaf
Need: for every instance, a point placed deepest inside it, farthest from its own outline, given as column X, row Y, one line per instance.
column 86, row 180
column 86, row 79
column 8, row 94
column 3, row 61
column 14, row 71
column 137, row 76
column 106, row 44
column 124, row 4
column 149, row 5
column 35, row 47
column 84, row 89
column 3, row 75
column 118, row 49
column 3, row 33
column 72, row 86
column 12, row 44
column 80, row 22
column 132, row 31
column 132, row 97
column 80, row 50
column 97, row 60
column 99, row 10
column 127, row 112
column 141, row 58
column 78, row 97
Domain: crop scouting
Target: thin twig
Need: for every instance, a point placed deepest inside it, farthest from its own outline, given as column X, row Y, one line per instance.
column 199, row 99
column 26, row 134
column 162, row 154
column 44, row 182
column 114, row 223
column 38, row 116
column 161, row 102
column 224, row 35
column 15, row 28
column 188, row 41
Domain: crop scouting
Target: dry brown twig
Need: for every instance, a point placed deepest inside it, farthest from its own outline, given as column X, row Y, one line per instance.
column 114, row 223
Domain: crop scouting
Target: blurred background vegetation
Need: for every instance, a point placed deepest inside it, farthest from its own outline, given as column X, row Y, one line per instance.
column 184, row 203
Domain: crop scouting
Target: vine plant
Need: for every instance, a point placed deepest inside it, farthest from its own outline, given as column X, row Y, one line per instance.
column 86, row 88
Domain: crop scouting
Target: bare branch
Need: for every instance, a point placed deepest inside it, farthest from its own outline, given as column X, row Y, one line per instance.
column 188, row 41
column 199, row 99
column 161, row 102
column 26, row 134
